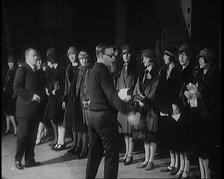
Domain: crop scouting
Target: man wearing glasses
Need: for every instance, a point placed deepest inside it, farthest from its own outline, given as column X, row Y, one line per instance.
column 104, row 104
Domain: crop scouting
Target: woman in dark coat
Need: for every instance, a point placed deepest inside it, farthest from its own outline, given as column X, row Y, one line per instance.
column 54, row 111
column 68, row 103
column 186, row 66
column 168, row 91
column 202, row 97
column 42, row 129
column 82, row 103
column 9, row 96
column 144, row 95
column 126, row 80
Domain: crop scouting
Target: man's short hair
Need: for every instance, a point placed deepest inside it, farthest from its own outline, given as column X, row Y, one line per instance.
column 27, row 51
column 101, row 47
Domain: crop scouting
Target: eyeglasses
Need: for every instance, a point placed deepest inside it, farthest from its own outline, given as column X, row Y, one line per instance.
column 109, row 55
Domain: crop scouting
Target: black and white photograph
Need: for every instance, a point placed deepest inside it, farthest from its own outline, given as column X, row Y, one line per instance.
column 111, row 89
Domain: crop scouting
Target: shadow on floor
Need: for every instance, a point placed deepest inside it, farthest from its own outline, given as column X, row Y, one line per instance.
column 64, row 158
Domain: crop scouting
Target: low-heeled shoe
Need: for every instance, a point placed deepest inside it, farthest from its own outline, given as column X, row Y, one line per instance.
column 166, row 169
column 149, row 166
column 128, row 161
column 60, row 147
column 174, row 171
column 142, row 165
column 19, row 165
column 122, row 160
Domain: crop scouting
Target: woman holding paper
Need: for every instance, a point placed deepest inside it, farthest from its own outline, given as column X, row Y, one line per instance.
column 144, row 96
column 125, row 84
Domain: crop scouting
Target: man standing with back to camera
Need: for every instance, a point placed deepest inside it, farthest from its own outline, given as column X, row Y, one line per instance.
column 104, row 104
column 27, row 86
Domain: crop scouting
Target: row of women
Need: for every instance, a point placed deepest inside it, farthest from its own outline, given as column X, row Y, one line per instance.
column 66, row 100
column 176, row 103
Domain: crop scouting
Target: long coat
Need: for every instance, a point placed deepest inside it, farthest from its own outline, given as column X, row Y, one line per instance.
column 168, row 88
column 8, row 93
column 82, row 95
column 125, row 80
column 204, row 118
column 71, row 75
column 148, row 111
column 26, row 84
column 53, row 110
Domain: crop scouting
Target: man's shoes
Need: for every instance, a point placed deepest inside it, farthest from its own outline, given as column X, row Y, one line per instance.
column 18, row 165
column 29, row 164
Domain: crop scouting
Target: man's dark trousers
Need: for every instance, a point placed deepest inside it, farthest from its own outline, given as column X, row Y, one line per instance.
column 103, row 128
column 26, row 133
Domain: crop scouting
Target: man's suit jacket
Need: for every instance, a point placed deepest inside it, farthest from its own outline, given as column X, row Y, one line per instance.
column 26, row 84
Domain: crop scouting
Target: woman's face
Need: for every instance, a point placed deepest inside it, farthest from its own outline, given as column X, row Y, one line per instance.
column 49, row 64
column 166, row 59
column 126, row 57
column 39, row 63
column 147, row 61
column 10, row 64
column 72, row 57
column 202, row 63
column 83, row 61
column 183, row 59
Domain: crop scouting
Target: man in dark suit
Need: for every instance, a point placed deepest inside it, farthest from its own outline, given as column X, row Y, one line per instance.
column 28, row 88
column 104, row 104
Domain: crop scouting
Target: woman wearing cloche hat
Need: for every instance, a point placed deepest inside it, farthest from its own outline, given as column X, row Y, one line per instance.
column 205, row 114
column 69, row 100
column 144, row 96
column 126, row 79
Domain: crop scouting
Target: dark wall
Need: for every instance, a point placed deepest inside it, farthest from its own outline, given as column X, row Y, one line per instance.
column 143, row 28
column 206, row 25
column 84, row 23
column 61, row 24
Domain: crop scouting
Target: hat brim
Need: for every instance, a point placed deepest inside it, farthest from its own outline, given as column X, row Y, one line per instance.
column 169, row 53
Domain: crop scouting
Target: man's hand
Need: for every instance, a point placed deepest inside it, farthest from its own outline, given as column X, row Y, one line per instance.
column 36, row 98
